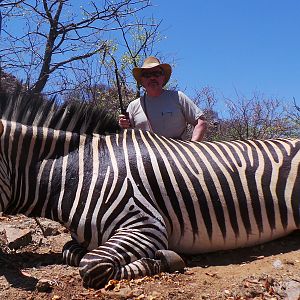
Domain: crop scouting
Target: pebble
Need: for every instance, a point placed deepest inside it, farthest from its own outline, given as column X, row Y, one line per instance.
column 43, row 286
column 293, row 290
column 17, row 238
column 277, row 264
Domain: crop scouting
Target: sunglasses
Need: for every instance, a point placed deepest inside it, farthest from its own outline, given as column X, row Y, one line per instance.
column 152, row 74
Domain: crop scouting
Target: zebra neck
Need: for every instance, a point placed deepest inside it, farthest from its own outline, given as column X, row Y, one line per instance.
column 28, row 159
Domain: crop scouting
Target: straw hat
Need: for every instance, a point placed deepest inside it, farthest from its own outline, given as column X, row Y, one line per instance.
column 150, row 63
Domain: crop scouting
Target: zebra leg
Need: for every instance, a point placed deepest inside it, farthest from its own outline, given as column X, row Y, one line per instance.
column 73, row 253
column 119, row 259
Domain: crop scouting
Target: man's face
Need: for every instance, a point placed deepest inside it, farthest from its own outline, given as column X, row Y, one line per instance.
column 153, row 78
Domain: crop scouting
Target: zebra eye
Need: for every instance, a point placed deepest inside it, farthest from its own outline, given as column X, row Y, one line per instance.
column 131, row 207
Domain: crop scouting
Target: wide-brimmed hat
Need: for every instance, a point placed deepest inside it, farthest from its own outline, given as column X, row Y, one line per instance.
column 150, row 63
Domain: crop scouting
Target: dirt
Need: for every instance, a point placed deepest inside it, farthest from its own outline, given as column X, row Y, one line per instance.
column 35, row 271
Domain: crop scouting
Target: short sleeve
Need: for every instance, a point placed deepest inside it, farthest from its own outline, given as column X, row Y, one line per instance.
column 130, row 110
column 190, row 110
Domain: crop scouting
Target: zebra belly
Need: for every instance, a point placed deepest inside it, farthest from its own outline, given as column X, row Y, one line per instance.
column 186, row 244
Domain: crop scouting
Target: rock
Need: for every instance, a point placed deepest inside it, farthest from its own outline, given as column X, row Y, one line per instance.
column 49, row 228
column 17, row 238
column 277, row 264
column 43, row 286
column 293, row 290
column 3, row 239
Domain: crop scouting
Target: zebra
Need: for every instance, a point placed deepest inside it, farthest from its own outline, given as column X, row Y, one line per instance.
column 134, row 201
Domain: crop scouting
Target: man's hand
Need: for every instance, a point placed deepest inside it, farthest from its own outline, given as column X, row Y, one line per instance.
column 199, row 130
column 124, row 121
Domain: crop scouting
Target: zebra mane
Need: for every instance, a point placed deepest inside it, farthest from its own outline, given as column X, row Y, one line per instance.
column 79, row 117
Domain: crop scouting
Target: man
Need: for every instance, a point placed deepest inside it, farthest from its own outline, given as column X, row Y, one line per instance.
column 164, row 112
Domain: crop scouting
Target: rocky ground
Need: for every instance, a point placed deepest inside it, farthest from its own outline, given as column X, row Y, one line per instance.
column 30, row 268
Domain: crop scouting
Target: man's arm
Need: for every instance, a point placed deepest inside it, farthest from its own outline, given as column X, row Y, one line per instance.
column 199, row 130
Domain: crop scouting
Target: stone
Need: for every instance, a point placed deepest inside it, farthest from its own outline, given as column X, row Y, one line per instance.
column 17, row 238
column 43, row 286
column 277, row 264
column 293, row 290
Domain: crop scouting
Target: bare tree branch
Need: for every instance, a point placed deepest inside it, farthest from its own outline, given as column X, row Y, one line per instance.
column 53, row 34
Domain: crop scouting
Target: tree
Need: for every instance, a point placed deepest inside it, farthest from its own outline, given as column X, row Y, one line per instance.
column 137, row 43
column 258, row 117
column 255, row 118
column 56, row 37
column 100, row 95
column 294, row 113
column 206, row 100
column 117, row 62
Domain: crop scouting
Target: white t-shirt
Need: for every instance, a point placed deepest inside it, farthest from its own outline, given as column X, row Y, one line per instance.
column 168, row 114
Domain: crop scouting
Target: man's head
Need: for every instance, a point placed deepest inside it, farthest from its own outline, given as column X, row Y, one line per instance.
column 152, row 72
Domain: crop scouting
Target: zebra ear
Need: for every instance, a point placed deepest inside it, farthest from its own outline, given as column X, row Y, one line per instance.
column 1, row 128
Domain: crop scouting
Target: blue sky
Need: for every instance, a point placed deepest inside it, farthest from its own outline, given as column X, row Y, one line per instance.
column 233, row 45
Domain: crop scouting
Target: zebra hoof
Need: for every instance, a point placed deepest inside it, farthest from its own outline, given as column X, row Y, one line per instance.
column 170, row 261
column 73, row 253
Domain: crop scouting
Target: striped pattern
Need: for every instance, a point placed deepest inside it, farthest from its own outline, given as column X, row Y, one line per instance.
column 126, row 196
